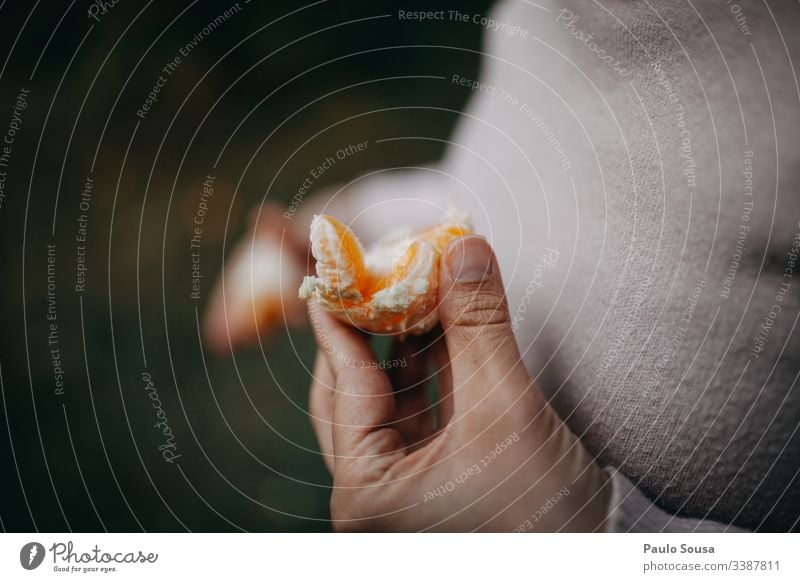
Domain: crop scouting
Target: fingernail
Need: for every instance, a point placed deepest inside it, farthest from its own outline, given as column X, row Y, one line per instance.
column 469, row 259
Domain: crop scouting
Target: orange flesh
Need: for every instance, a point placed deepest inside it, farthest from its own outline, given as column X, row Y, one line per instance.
column 351, row 285
column 347, row 254
column 369, row 284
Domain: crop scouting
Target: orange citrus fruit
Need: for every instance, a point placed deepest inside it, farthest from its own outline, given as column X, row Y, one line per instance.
column 391, row 287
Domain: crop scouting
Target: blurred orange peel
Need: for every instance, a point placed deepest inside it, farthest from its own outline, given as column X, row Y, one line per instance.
column 390, row 288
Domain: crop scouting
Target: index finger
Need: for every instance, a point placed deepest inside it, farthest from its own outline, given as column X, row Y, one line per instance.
column 363, row 402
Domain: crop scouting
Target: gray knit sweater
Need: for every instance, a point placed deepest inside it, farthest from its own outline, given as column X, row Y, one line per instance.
column 635, row 166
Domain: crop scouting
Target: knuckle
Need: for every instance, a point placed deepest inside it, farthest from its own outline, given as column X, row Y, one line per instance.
column 482, row 307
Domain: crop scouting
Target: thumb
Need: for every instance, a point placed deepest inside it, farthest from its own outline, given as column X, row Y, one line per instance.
column 475, row 317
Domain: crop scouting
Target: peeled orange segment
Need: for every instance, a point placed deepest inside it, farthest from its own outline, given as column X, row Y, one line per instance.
column 392, row 287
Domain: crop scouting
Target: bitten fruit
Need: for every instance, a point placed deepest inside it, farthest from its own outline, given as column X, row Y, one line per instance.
column 390, row 288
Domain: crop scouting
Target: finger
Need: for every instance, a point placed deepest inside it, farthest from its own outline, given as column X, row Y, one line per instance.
column 474, row 314
column 257, row 291
column 363, row 404
column 441, row 360
column 273, row 229
column 320, row 408
column 408, row 372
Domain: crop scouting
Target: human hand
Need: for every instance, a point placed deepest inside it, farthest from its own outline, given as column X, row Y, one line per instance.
column 493, row 457
column 257, row 291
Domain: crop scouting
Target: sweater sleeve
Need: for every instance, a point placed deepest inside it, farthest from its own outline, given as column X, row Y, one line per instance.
column 629, row 510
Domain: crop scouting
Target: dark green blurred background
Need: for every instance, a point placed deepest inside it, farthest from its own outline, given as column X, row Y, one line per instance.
column 88, row 459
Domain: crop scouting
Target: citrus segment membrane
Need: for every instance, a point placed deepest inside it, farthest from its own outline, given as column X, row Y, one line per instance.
column 390, row 288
